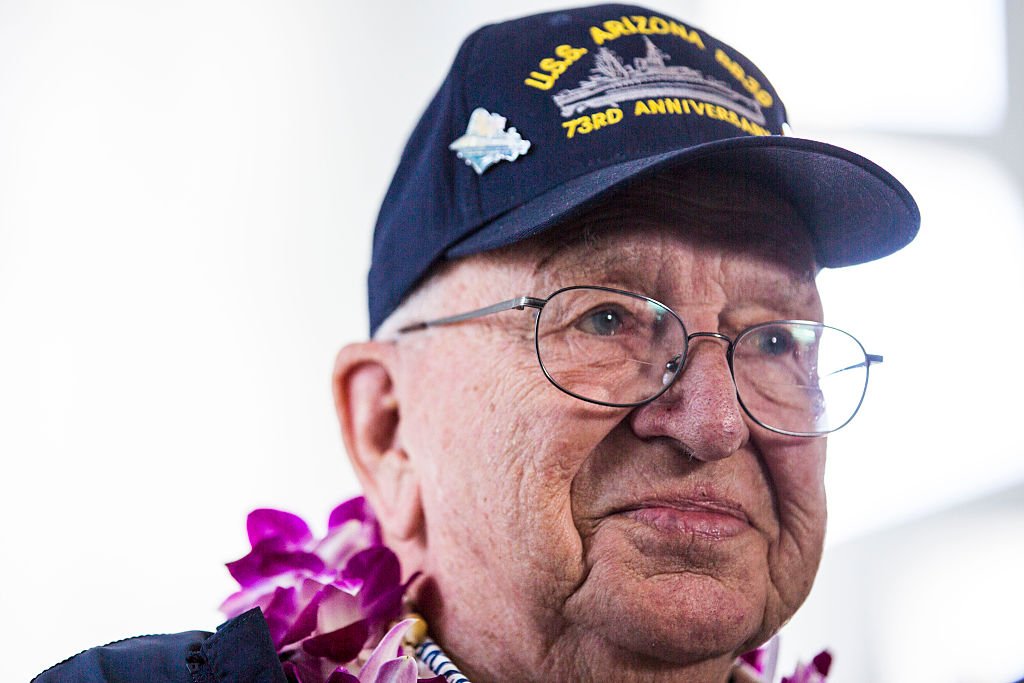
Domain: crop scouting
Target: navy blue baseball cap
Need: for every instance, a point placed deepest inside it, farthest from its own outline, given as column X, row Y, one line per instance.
column 542, row 116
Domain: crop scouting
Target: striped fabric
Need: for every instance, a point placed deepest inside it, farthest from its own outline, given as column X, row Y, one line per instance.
column 431, row 654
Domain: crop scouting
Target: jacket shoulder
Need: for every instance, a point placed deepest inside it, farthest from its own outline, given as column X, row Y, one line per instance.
column 240, row 650
column 159, row 658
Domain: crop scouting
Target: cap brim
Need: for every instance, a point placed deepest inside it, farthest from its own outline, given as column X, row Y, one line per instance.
column 856, row 211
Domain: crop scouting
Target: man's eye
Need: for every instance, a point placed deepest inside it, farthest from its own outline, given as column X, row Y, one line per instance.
column 602, row 321
column 774, row 342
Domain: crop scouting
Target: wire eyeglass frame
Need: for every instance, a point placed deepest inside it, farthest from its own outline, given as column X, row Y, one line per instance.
column 524, row 302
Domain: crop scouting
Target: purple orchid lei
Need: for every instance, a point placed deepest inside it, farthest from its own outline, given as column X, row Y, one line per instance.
column 326, row 601
column 332, row 604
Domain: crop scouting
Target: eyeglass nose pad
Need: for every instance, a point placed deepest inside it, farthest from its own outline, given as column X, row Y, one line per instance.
column 671, row 370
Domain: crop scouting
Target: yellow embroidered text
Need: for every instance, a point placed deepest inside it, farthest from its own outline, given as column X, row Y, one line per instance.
column 552, row 68
column 672, row 105
column 591, row 122
column 628, row 26
column 748, row 82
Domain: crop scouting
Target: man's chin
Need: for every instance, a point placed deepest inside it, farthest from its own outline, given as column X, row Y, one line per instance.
column 676, row 588
column 678, row 618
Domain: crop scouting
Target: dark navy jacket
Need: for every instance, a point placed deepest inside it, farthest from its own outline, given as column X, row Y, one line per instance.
column 240, row 650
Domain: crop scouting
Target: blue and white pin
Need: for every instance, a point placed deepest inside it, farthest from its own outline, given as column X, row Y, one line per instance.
column 486, row 142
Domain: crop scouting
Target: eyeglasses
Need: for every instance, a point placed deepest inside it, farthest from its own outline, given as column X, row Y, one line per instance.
column 620, row 349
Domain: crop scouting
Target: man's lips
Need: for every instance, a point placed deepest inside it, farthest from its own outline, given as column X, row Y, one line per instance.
column 714, row 519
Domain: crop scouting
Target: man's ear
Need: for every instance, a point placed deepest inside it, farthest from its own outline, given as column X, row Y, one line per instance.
column 368, row 411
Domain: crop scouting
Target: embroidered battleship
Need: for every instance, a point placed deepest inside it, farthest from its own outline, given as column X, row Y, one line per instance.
column 613, row 81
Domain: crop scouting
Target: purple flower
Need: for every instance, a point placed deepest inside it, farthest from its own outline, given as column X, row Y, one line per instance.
column 815, row 672
column 323, row 598
column 761, row 664
column 762, row 661
column 387, row 664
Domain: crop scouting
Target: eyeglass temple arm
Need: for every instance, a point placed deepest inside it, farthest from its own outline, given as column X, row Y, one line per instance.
column 519, row 302
column 869, row 360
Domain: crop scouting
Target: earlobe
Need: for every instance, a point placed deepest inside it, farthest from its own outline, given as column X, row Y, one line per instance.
column 368, row 411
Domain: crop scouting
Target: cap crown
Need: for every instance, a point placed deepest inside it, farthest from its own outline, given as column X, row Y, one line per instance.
column 576, row 102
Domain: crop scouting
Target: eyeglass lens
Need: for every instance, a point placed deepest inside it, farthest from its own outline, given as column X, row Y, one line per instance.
column 617, row 348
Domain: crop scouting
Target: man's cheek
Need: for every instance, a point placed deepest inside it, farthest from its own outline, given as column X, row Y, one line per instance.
column 793, row 466
column 796, row 472
column 800, row 487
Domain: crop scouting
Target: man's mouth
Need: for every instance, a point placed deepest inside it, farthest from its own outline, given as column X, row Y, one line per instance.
column 712, row 519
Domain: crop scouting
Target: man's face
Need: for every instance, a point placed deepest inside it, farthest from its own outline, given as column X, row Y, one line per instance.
column 678, row 530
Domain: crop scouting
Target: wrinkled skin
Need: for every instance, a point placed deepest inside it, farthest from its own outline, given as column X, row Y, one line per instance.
column 537, row 564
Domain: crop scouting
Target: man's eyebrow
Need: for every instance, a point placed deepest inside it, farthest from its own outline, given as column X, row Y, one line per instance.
column 595, row 265
column 592, row 233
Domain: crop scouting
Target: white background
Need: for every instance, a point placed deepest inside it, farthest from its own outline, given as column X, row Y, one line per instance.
column 187, row 192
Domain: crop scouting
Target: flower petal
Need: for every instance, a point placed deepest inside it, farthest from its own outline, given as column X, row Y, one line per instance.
column 337, row 609
column 339, row 646
column 400, row 670
column 822, row 662
column 385, row 651
column 240, row 601
column 356, row 509
column 378, row 568
column 305, row 668
column 385, row 607
column 266, row 523
column 341, row 675
column 279, row 612
column 755, row 658
column 305, row 622
column 268, row 558
column 340, row 544
column 815, row 672
column 344, row 541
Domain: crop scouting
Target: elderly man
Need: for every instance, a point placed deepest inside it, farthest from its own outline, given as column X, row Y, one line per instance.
column 590, row 419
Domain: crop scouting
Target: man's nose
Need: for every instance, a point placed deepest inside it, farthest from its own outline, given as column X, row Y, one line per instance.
column 700, row 411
